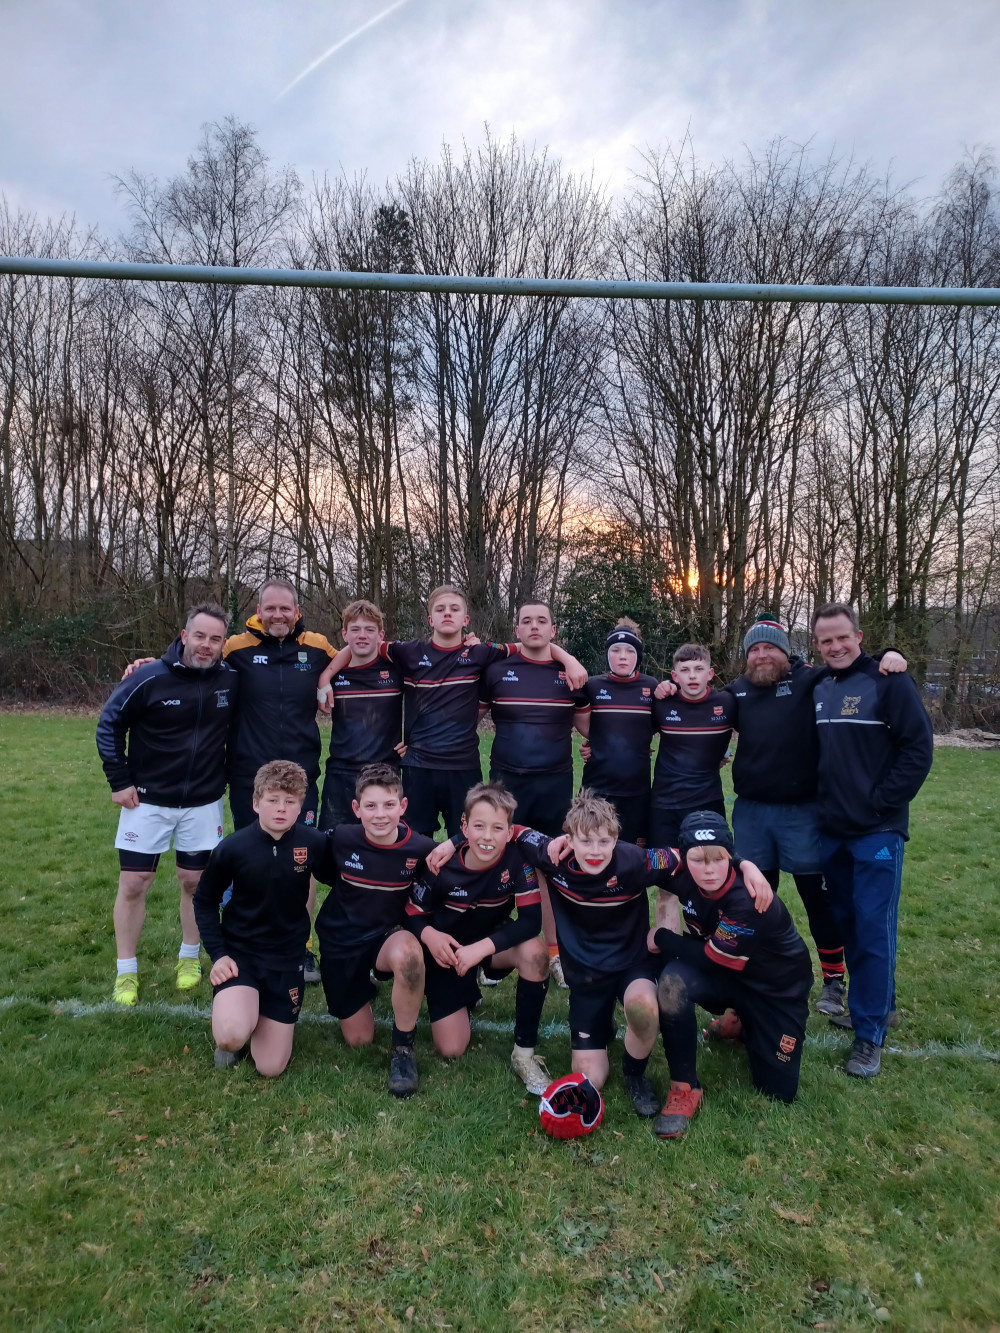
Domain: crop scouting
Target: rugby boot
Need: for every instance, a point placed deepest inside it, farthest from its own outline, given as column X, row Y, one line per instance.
column 402, row 1071
column 681, row 1108
column 310, row 970
column 865, row 1059
column 643, row 1095
column 727, row 1027
column 188, row 973
column 832, row 998
column 530, row 1069
column 126, row 989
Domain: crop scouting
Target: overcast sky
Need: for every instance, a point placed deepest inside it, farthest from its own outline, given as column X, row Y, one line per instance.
column 91, row 88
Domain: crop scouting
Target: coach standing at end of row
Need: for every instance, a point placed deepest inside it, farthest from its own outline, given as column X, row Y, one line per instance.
column 876, row 746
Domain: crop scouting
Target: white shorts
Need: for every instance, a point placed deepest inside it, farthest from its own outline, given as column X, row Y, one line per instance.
column 149, row 828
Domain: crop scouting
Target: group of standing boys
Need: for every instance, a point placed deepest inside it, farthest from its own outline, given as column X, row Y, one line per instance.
column 826, row 764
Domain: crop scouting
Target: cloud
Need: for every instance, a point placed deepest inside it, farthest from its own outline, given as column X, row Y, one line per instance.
column 92, row 91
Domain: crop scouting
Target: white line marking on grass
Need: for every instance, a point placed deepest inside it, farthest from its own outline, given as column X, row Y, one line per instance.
column 826, row 1041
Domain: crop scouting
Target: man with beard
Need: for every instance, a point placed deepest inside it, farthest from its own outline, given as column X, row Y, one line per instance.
column 162, row 740
column 775, row 818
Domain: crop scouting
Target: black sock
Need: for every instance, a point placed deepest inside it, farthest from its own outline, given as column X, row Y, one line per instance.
column 528, row 1001
column 633, row 1065
column 403, row 1038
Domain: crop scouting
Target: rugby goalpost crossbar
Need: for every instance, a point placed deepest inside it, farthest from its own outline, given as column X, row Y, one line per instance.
column 123, row 271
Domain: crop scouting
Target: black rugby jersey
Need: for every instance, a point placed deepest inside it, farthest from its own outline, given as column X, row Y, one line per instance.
column 370, row 887
column 441, row 700
column 367, row 720
column 763, row 947
column 622, row 726
column 266, row 917
column 694, row 736
column 474, row 905
column 533, row 707
column 778, row 754
column 602, row 920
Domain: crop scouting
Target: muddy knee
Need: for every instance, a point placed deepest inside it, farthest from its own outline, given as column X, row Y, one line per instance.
column 643, row 1016
column 410, row 970
column 671, row 993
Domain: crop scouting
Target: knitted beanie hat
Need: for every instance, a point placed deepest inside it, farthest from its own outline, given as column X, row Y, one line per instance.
column 622, row 634
column 765, row 629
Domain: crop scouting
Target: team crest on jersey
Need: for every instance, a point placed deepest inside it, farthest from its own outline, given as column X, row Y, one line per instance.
column 222, row 698
column 293, row 995
column 463, row 653
column 645, row 692
column 411, row 862
column 219, row 830
column 717, row 711
column 849, row 708
column 562, row 675
column 787, row 1044
column 303, row 657
column 613, row 882
column 505, row 877
column 784, row 689
column 300, row 855
column 384, row 675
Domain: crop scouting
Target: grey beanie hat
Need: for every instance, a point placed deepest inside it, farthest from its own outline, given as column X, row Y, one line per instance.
column 766, row 629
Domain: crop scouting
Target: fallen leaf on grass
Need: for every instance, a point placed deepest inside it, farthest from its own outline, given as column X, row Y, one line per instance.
column 417, row 1210
column 119, row 1110
column 161, row 1143
column 659, row 1283
column 141, row 1138
column 166, row 1114
column 324, row 1277
column 790, row 1215
column 410, row 1312
column 93, row 1249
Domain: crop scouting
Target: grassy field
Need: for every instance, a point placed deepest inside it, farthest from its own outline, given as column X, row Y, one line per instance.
column 141, row 1189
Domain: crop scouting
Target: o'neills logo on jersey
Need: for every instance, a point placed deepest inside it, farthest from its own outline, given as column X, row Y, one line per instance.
column 354, row 862
column 300, row 855
column 411, row 863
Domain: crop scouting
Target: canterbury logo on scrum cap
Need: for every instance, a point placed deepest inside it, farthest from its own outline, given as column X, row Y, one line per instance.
column 705, row 834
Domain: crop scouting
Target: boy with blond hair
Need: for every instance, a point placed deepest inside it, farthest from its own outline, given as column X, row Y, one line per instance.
column 258, row 943
column 462, row 916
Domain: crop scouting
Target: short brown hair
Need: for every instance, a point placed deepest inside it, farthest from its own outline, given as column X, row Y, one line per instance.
column 710, row 853
column 447, row 589
column 590, row 814
column 495, row 794
column 278, row 583
column 692, row 652
column 832, row 609
column 212, row 609
column 362, row 609
column 536, row 601
column 378, row 775
column 281, row 775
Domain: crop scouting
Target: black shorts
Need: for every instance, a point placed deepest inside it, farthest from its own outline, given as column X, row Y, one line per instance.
column 241, row 805
column 542, row 798
column 142, row 862
column 665, row 825
column 632, row 810
column 592, row 999
column 279, row 990
column 437, row 791
column 338, row 792
column 447, row 992
column 347, row 982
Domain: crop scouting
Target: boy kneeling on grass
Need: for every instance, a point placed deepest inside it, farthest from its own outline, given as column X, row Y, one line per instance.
column 258, row 946
column 732, row 957
column 462, row 917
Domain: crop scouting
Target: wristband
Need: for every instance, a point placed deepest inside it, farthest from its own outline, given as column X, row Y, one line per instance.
column 322, row 694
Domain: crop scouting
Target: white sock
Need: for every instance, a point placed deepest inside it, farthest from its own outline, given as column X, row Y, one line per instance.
column 128, row 966
column 188, row 951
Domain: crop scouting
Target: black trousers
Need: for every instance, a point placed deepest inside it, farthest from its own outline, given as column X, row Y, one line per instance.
column 774, row 1028
column 542, row 798
column 431, row 792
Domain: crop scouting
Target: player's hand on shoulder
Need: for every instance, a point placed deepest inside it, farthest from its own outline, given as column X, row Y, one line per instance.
column 472, row 641
column 401, row 748
column 892, row 663
column 134, row 666
column 440, row 856
column 665, row 689
column 127, row 798
column 757, row 886
column 559, row 848
column 577, row 674
column 224, row 969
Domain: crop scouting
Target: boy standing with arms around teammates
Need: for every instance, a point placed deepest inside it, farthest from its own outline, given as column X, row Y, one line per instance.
column 257, row 947
column 373, row 865
column 695, row 726
column 619, row 732
column 462, row 916
column 733, row 955
column 366, row 726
